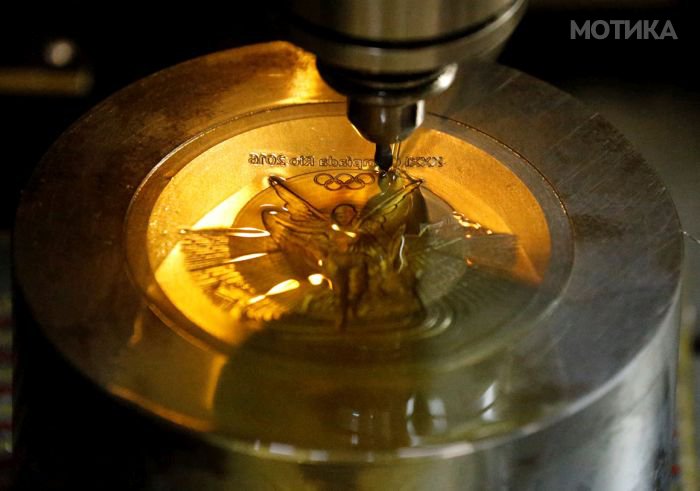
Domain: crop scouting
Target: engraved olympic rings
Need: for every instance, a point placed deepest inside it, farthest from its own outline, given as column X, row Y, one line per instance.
column 344, row 181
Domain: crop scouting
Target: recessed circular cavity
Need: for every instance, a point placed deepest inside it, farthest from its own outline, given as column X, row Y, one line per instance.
column 285, row 237
column 273, row 240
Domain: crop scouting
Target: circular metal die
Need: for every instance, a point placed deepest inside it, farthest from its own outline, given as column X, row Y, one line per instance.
column 158, row 249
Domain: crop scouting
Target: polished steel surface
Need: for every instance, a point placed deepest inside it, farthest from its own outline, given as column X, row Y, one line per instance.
column 386, row 115
column 398, row 20
column 387, row 56
column 574, row 391
column 403, row 37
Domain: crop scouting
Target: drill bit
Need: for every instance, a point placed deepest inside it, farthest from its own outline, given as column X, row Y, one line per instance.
column 383, row 156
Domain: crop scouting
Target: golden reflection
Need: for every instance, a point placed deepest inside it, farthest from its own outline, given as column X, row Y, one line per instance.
column 304, row 84
column 243, row 232
column 284, row 286
column 137, row 334
column 281, row 245
column 245, row 257
column 183, row 291
column 385, row 256
column 212, row 383
column 317, row 279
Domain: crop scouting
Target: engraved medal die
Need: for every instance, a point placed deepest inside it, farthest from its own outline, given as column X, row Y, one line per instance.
column 219, row 267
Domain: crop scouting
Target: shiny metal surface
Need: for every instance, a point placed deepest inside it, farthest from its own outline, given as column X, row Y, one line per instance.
column 389, row 56
column 395, row 20
column 577, row 392
column 385, row 113
column 403, row 37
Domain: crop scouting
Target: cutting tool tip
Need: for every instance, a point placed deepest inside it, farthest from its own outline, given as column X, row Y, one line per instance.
column 383, row 156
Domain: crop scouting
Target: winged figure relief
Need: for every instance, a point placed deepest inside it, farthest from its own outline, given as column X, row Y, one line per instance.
column 341, row 262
